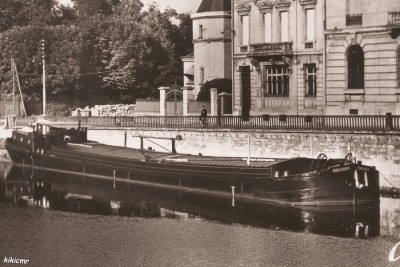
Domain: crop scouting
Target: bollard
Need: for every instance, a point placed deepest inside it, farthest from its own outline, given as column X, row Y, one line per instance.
column 173, row 146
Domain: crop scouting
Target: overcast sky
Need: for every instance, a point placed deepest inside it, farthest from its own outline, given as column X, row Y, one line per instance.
column 190, row 6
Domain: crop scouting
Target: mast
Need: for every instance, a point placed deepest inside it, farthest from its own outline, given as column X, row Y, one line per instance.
column 19, row 88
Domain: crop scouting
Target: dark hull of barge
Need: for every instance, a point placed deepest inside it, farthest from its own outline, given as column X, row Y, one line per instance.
column 295, row 181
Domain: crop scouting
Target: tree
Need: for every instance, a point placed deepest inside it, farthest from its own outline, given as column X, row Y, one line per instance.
column 167, row 42
column 90, row 9
column 97, row 47
column 36, row 13
column 222, row 85
column 185, row 41
column 24, row 46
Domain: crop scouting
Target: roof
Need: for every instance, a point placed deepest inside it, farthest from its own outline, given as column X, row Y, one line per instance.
column 214, row 5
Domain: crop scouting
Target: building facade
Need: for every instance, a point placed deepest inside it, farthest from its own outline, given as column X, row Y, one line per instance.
column 278, row 57
column 212, row 42
column 363, row 57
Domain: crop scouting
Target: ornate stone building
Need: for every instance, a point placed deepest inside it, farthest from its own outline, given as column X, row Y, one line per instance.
column 278, row 57
column 363, row 57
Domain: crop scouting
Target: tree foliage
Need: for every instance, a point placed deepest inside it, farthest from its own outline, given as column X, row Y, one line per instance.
column 96, row 47
column 222, row 85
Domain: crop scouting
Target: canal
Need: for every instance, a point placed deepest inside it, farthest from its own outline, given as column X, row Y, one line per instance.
column 59, row 219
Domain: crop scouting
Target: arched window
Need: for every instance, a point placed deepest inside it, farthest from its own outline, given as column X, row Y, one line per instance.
column 355, row 67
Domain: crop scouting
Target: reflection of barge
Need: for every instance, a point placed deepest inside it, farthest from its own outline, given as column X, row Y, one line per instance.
column 295, row 181
column 73, row 193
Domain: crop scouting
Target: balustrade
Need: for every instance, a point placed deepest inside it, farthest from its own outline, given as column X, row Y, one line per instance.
column 292, row 122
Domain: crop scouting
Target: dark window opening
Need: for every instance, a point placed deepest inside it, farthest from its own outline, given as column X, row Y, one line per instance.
column 354, row 19
column 276, row 81
column 353, row 111
column 311, row 80
column 355, row 67
column 200, row 31
column 309, row 45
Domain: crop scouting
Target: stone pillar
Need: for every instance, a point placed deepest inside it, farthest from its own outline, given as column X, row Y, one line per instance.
column 224, row 98
column 187, row 95
column 163, row 104
column 214, row 101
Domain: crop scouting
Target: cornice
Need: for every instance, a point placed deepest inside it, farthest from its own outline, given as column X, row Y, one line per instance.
column 282, row 3
column 264, row 5
column 305, row 2
column 243, row 7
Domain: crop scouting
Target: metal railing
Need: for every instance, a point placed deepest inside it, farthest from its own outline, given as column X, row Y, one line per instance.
column 277, row 48
column 284, row 122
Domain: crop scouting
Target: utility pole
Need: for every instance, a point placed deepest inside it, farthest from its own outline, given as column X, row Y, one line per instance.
column 13, row 81
column 44, row 78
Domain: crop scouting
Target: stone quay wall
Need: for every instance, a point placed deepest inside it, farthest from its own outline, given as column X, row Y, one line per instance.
column 378, row 149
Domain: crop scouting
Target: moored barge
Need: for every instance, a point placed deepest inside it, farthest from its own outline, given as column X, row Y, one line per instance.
column 292, row 181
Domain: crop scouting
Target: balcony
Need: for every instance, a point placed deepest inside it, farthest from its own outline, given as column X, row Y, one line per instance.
column 271, row 49
column 394, row 24
column 353, row 19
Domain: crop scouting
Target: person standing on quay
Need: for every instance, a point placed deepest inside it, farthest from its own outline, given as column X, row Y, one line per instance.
column 203, row 116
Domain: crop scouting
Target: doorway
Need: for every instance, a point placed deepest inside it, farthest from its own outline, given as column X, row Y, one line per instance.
column 246, row 89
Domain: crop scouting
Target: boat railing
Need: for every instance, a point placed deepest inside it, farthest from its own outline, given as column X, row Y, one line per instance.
column 386, row 122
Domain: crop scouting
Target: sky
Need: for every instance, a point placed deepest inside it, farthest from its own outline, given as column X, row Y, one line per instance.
column 181, row 6
column 190, row 6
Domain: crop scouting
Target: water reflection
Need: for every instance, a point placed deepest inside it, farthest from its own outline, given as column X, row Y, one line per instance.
column 390, row 217
column 76, row 193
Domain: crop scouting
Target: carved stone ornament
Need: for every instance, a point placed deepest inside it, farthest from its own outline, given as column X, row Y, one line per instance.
column 243, row 7
column 264, row 5
column 305, row 2
column 282, row 3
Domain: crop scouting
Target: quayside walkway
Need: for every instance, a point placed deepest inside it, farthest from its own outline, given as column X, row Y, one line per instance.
column 386, row 122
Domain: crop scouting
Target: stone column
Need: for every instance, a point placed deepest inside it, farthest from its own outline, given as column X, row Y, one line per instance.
column 214, row 101
column 163, row 106
column 187, row 95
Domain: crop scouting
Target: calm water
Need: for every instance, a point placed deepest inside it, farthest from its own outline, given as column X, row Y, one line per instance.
column 57, row 219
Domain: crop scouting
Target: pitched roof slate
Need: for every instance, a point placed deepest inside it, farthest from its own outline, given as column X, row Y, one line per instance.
column 214, row 5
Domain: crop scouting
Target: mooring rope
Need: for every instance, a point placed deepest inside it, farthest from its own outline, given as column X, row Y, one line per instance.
column 386, row 179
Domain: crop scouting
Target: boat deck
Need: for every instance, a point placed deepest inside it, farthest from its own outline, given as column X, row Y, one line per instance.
column 95, row 149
